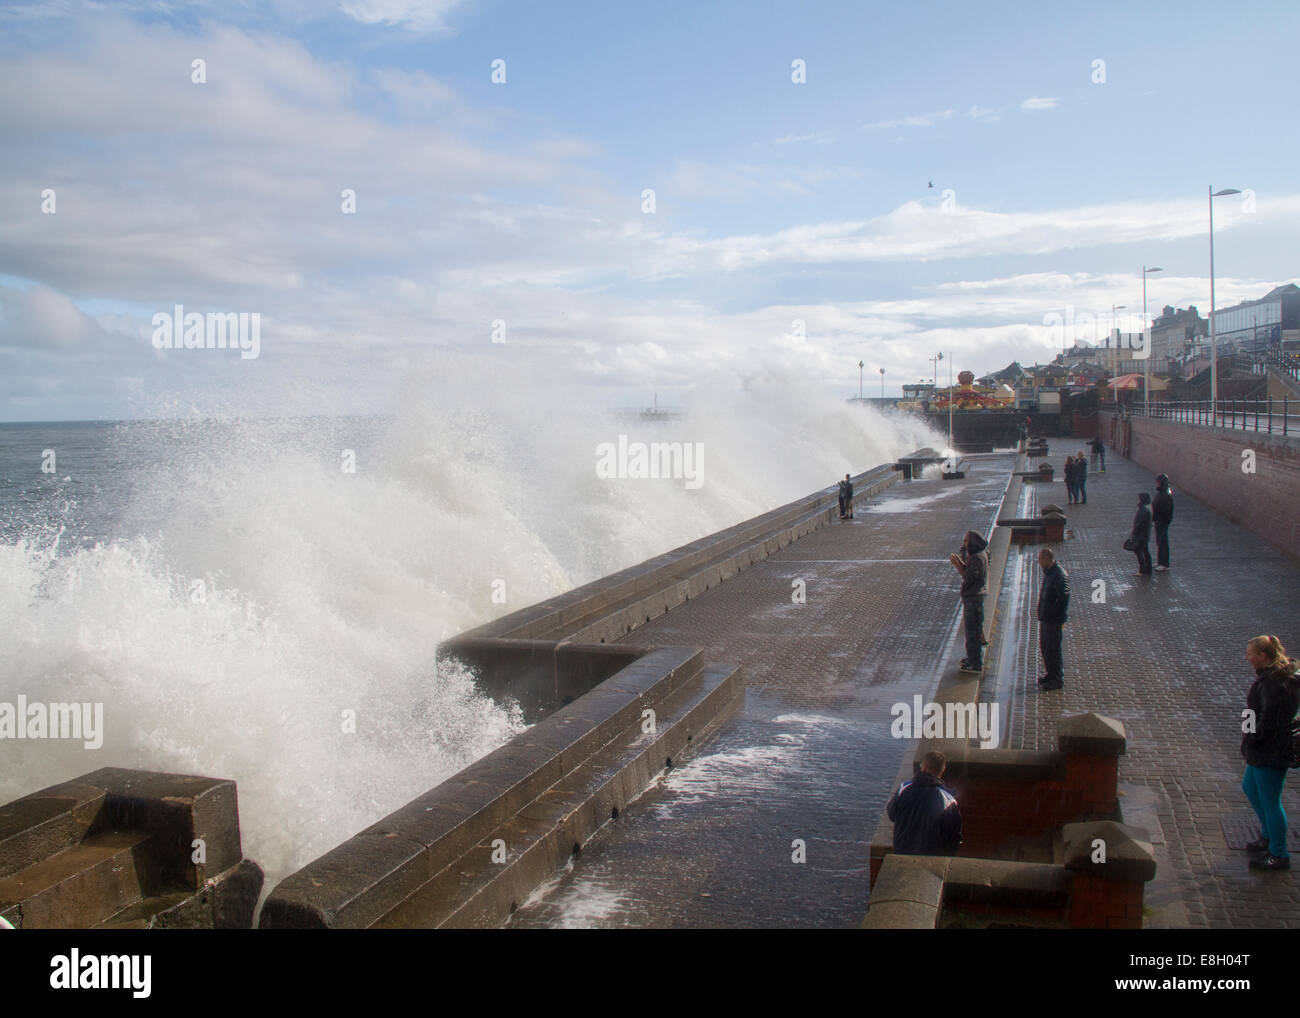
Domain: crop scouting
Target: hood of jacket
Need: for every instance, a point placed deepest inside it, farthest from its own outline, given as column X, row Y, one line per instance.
column 975, row 543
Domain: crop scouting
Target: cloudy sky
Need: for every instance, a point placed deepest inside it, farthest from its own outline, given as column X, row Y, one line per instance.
column 790, row 149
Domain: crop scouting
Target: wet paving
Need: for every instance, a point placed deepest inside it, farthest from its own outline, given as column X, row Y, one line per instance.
column 1165, row 655
column 769, row 823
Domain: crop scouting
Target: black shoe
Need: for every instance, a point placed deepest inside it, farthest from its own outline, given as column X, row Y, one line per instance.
column 1047, row 687
column 971, row 666
column 1258, row 845
column 1269, row 861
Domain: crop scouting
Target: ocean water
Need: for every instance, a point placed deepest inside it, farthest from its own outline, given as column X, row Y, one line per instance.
column 246, row 606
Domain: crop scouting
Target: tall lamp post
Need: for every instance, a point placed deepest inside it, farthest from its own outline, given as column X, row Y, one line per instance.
column 951, row 451
column 1214, row 343
column 1146, row 381
column 882, row 388
column 861, row 365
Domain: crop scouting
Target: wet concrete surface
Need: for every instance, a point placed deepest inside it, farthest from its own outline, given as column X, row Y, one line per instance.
column 804, row 766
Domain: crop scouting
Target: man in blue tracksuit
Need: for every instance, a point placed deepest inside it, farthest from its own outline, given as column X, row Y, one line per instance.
column 927, row 819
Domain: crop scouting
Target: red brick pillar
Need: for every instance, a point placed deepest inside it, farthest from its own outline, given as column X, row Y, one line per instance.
column 1110, row 865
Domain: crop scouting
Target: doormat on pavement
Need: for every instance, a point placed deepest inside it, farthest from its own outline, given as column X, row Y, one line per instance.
column 1240, row 828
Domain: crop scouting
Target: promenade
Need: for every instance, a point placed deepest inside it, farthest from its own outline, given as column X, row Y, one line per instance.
column 809, row 757
column 1165, row 655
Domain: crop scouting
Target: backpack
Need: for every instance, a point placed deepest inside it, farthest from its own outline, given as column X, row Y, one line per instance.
column 1293, row 742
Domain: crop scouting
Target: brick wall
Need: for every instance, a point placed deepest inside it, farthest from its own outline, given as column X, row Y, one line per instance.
column 1207, row 463
column 1099, row 904
column 997, row 812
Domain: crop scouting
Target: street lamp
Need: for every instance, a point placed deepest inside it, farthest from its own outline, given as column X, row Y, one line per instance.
column 1146, row 380
column 1214, row 343
column 950, row 449
column 860, row 367
column 882, row 388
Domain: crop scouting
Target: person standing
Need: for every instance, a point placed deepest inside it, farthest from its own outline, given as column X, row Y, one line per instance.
column 1266, row 745
column 1081, row 477
column 973, row 567
column 1053, row 609
column 927, row 819
column 1098, row 452
column 1071, row 482
column 840, row 485
column 1162, row 514
column 1141, row 534
column 848, row 496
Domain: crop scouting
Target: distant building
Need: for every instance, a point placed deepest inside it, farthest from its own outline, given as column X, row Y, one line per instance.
column 1119, row 351
column 1255, row 325
column 1174, row 337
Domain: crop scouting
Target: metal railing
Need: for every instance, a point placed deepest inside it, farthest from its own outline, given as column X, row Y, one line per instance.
column 1274, row 416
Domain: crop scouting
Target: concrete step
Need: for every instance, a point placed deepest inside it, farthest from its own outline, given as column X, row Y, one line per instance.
column 140, row 915
column 540, row 840
column 80, row 886
column 46, row 822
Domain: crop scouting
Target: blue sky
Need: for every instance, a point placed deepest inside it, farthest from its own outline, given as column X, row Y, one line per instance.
column 522, row 202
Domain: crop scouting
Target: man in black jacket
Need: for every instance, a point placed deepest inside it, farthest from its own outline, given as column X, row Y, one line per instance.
column 1162, row 514
column 973, row 565
column 927, row 819
column 1053, row 606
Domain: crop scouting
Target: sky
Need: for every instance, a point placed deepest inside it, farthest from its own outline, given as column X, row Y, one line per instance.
column 637, row 199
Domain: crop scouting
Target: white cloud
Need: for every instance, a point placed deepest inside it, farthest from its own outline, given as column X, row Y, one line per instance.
column 416, row 15
column 1037, row 103
column 917, row 120
column 813, row 137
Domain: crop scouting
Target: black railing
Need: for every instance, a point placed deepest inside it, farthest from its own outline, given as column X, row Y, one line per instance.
column 1275, row 416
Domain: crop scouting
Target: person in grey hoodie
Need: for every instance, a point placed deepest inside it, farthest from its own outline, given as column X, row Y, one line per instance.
column 972, row 564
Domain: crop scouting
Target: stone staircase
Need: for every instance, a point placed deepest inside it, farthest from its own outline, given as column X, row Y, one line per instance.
column 117, row 849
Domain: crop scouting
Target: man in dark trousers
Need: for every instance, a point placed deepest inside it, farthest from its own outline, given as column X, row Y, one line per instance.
column 1053, row 606
column 927, row 819
column 1099, row 451
column 1162, row 514
column 973, row 566
column 848, row 496
column 1071, row 483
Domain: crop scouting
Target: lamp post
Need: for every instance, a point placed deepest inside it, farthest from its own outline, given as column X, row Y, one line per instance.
column 1214, row 343
column 1146, row 379
column 935, row 373
column 1113, row 309
column 951, row 451
column 860, row 367
column 882, row 388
